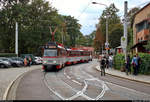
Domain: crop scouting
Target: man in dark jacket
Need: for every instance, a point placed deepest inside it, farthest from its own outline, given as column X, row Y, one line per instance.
column 128, row 65
column 103, row 65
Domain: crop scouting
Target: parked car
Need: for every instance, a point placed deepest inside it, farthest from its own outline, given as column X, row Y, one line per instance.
column 38, row 60
column 4, row 64
column 18, row 60
column 14, row 63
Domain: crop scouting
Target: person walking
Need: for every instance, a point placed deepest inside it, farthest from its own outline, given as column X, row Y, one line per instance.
column 103, row 65
column 107, row 62
column 30, row 61
column 128, row 69
column 110, row 61
column 25, row 62
column 135, row 64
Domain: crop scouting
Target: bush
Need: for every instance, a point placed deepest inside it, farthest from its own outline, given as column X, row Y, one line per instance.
column 119, row 61
column 8, row 55
column 145, row 65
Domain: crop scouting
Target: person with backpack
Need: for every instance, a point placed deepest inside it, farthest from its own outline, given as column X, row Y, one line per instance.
column 135, row 65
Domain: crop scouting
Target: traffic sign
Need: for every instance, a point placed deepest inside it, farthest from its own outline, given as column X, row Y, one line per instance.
column 106, row 43
column 123, row 42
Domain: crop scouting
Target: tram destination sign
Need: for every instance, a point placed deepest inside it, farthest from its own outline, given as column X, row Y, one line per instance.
column 50, row 47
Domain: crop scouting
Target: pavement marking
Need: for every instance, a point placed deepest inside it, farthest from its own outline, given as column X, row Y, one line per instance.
column 104, row 86
column 77, row 82
column 78, row 93
column 57, row 94
column 81, row 93
column 68, row 77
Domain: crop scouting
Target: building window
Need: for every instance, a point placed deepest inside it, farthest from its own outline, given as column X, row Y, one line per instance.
column 138, row 40
column 141, row 26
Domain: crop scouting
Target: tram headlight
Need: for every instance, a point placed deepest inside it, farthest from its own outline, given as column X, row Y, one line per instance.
column 54, row 61
column 44, row 62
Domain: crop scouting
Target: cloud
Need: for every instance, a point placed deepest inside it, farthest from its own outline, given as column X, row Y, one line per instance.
column 88, row 13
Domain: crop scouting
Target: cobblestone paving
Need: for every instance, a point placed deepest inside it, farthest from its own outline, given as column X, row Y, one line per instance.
column 7, row 75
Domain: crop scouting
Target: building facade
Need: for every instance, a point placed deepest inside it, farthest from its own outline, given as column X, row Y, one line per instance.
column 141, row 28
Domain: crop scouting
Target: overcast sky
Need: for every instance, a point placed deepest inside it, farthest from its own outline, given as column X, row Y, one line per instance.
column 88, row 13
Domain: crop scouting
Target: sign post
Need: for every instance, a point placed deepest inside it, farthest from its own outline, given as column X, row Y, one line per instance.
column 125, row 28
column 107, row 47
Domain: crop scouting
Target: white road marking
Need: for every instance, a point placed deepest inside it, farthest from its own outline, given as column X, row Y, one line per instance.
column 57, row 94
column 77, row 82
column 81, row 93
column 68, row 77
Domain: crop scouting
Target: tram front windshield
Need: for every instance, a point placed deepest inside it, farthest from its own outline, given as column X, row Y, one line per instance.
column 50, row 52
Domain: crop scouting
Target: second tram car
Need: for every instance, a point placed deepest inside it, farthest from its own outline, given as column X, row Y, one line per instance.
column 56, row 56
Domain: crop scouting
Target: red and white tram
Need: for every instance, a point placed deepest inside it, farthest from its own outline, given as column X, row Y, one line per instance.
column 57, row 56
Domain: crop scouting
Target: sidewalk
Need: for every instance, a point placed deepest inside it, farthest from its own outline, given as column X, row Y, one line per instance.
column 139, row 78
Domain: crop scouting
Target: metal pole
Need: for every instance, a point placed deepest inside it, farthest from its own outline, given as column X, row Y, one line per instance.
column 125, row 28
column 107, row 32
column 106, row 44
column 16, row 44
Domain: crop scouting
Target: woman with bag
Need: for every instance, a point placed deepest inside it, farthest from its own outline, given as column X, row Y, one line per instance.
column 134, row 64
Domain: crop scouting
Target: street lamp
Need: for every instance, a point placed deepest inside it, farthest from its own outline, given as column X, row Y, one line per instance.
column 106, row 44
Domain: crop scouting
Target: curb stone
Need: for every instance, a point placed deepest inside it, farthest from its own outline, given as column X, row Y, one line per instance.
column 97, row 67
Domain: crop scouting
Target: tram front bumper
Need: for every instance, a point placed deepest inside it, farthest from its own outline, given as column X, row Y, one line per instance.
column 48, row 67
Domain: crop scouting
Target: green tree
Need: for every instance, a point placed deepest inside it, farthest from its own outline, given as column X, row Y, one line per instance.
column 34, row 22
column 115, row 34
column 33, row 19
column 114, row 26
column 73, row 29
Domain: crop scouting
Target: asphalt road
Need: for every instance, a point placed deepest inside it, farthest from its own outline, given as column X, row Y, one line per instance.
column 79, row 82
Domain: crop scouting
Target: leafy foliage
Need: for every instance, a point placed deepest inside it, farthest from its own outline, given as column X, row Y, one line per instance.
column 115, row 30
column 119, row 61
column 34, row 19
column 144, row 66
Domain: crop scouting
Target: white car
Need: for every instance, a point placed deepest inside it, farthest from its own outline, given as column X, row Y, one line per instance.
column 38, row 60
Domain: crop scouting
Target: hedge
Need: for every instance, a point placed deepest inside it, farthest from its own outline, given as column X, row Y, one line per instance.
column 144, row 66
column 8, row 55
column 119, row 61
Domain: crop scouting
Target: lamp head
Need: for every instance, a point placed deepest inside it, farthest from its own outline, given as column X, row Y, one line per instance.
column 94, row 2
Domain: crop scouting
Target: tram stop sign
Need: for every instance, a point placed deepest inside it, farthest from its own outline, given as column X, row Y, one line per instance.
column 123, row 42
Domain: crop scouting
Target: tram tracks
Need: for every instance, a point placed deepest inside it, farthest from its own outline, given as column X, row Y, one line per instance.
column 75, row 82
column 78, row 92
column 123, row 91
